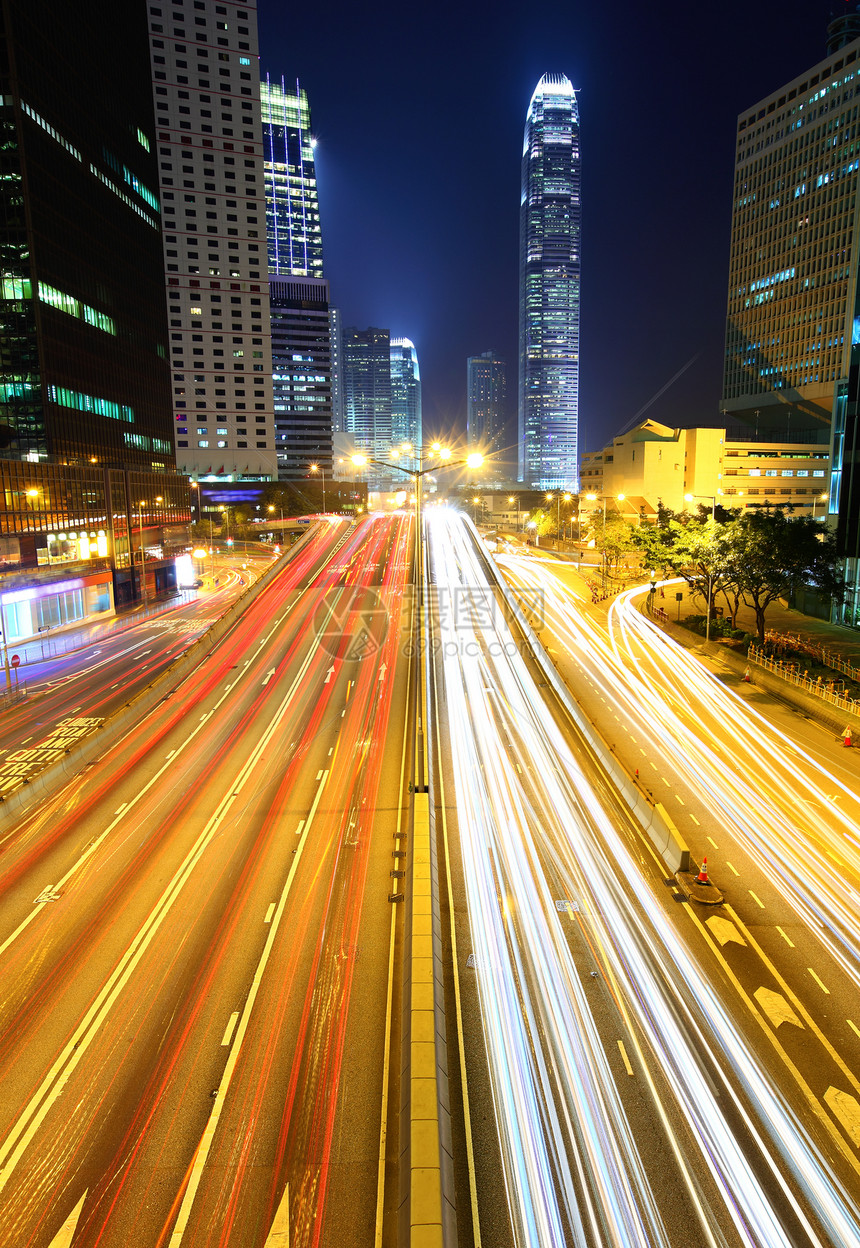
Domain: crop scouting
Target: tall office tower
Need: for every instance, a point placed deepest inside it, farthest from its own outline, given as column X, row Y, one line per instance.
column 84, row 335
column 367, row 393
column 86, row 426
column 207, row 102
column 298, row 292
column 486, row 401
column 405, row 393
column 793, row 300
column 550, row 216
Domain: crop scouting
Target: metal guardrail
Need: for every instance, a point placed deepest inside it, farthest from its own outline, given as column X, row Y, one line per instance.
column 802, row 645
column 818, row 686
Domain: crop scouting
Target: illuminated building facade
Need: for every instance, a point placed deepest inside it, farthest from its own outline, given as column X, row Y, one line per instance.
column 793, row 302
column 206, row 88
column 550, row 222
column 366, row 355
column 405, row 393
column 486, row 401
column 298, row 292
column 87, row 465
column 293, row 226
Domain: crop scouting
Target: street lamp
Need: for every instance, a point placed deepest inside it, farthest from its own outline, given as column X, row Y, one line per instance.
column 436, row 451
column 476, row 501
column 820, row 498
column 515, row 498
column 142, row 567
column 317, row 468
column 713, row 498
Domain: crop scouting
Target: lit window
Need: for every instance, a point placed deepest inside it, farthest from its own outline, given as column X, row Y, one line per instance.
column 203, row 444
column 196, row 311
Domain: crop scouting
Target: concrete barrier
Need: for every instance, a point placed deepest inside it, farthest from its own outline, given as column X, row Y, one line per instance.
column 657, row 826
column 429, row 1143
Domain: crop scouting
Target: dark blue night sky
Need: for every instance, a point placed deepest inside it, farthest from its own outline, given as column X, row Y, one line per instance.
column 419, row 112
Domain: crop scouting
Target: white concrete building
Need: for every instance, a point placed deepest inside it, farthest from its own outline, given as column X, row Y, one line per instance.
column 210, row 154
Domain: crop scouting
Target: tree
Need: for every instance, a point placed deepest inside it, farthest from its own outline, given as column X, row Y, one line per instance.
column 776, row 555
column 617, row 539
column 541, row 523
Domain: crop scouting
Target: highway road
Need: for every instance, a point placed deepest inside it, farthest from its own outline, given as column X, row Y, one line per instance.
column 638, row 1071
column 88, row 674
column 197, row 942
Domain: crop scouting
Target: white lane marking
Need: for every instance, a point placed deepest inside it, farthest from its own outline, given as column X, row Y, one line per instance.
column 713, row 842
column 856, row 1030
column 731, row 868
column 269, row 913
column 787, row 940
column 624, row 1057
column 302, row 822
column 53, row 1085
column 776, row 1007
column 170, row 755
column 319, row 773
column 756, row 898
column 331, row 751
column 66, row 1233
column 120, row 809
column 228, row 1030
column 204, row 1147
column 818, row 981
column 695, row 821
column 847, row 1109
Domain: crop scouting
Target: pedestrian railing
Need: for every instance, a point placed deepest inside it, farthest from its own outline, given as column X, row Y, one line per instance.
column 790, row 643
column 830, row 690
column 52, row 646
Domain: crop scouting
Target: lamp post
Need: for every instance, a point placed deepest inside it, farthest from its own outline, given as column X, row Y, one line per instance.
column 515, row 498
column 142, row 567
column 476, row 503
column 436, row 451
column 819, row 498
column 322, row 471
column 713, row 498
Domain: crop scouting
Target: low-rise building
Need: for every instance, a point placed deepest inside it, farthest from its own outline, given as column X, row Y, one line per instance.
column 654, row 465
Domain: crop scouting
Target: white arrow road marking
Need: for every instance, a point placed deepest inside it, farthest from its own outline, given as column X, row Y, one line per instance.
column 847, row 1110
column 383, row 668
column 329, row 674
column 724, row 930
column 776, row 1007
column 279, row 1235
column 65, row 1234
column 269, row 675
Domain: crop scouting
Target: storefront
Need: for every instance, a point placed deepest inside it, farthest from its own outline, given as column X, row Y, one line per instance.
column 37, row 609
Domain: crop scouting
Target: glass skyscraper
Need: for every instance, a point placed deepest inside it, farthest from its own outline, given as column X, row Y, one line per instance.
column 486, row 401
column 292, row 205
column 405, row 393
column 550, row 219
column 298, row 292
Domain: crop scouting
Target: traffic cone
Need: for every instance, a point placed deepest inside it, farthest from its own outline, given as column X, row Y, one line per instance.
column 702, row 877
column 747, row 673
column 846, row 737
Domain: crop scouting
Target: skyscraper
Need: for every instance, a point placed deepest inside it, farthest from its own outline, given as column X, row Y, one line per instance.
column 405, row 393
column 486, row 401
column 792, row 362
column 299, row 294
column 86, row 438
column 366, row 357
column 207, row 102
column 550, row 215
